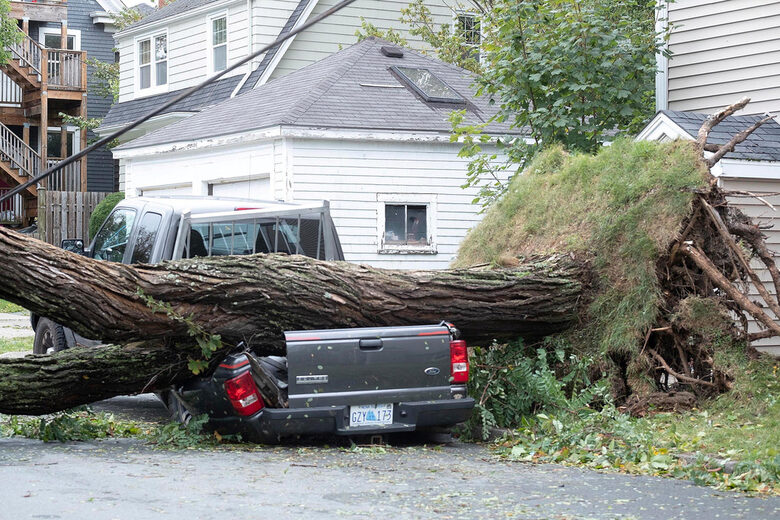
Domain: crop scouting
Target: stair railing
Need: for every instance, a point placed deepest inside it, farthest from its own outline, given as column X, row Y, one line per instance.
column 28, row 52
column 15, row 151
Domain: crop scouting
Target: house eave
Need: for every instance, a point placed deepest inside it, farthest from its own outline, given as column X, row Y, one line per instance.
column 164, row 22
column 340, row 134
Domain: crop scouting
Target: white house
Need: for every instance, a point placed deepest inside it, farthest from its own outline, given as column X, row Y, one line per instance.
column 366, row 128
column 720, row 52
column 186, row 41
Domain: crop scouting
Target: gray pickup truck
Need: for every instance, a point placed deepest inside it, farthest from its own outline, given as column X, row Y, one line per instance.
column 344, row 381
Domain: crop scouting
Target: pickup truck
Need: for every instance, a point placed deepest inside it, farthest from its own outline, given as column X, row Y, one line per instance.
column 360, row 381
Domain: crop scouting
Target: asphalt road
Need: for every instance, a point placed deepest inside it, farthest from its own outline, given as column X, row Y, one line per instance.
column 124, row 479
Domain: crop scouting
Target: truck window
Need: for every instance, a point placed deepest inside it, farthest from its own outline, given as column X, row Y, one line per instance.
column 147, row 236
column 111, row 240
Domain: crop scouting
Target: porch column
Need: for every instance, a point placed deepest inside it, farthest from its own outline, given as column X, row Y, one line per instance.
column 44, row 128
column 26, row 133
column 26, row 26
column 64, row 34
column 83, row 136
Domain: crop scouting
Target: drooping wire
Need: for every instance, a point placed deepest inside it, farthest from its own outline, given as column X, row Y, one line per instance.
column 75, row 157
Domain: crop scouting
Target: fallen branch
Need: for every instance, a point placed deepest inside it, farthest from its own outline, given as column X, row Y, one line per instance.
column 734, row 141
column 716, row 118
column 678, row 376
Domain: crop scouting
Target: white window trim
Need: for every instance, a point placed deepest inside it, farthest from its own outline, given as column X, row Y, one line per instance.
column 76, row 33
column 478, row 17
column 420, row 199
column 71, row 130
column 153, row 89
column 210, row 41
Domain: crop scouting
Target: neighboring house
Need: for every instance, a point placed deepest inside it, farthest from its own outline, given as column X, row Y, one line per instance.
column 186, row 41
column 366, row 128
column 720, row 52
column 48, row 75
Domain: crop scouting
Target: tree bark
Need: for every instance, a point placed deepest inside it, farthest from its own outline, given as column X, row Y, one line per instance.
column 246, row 298
column 256, row 298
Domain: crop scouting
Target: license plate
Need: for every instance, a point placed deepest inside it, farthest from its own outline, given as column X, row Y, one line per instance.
column 370, row 414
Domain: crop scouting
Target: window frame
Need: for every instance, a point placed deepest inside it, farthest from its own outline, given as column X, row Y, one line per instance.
column 403, row 199
column 153, row 87
column 76, row 33
column 210, row 31
column 476, row 16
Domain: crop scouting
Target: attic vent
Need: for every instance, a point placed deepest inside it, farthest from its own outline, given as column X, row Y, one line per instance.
column 428, row 86
column 392, row 52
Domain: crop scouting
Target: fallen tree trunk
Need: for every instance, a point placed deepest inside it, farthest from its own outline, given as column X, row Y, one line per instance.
column 252, row 299
column 256, row 298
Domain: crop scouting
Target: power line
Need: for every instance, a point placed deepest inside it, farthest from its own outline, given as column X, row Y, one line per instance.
column 75, row 157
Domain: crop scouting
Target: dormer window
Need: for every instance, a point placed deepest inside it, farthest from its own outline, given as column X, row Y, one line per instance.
column 469, row 27
column 153, row 62
column 219, row 43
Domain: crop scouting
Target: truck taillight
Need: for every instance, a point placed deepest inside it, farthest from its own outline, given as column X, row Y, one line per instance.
column 243, row 394
column 459, row 361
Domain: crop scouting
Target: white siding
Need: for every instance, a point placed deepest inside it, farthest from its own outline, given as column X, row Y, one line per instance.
column 763, row 214
column 353, row 175
column 188, row 48
column 722, row 51
column 338, row 31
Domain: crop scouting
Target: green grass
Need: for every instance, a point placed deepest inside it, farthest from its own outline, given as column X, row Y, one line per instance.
column 620, row 208
column 16, row 345
column 10, row 307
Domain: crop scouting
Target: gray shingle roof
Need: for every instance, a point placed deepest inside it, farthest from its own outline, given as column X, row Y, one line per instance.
column 761, row 145
column 353, row 88
column 172, row 9
column 256, row 74
column 144, row 9
column 127, row 112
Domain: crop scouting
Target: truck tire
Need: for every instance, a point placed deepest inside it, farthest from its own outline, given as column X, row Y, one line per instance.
column 179, row 412
column 49, row 337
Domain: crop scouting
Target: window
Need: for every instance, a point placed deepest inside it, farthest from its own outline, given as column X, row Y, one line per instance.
column 153, row 62
column 111, row 240
column 406, row 223
column 54, row 41
column 468, row 25
column 219, row 43
column 427, row 85
column 147, row 236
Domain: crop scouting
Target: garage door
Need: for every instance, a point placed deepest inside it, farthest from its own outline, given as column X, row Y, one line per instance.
column 167, row 190
column 259, row 189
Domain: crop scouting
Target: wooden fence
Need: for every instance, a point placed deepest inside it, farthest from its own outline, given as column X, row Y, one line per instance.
column 65, row 214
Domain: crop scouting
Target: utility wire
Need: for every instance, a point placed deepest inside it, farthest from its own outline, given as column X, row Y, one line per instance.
column 75, row 157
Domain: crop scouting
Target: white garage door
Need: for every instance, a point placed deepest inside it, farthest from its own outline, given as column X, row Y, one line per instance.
column 167, row 190
column 259, row 189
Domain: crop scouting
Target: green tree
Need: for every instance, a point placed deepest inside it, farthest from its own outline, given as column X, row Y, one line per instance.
column 575, row 72
column 9, row 31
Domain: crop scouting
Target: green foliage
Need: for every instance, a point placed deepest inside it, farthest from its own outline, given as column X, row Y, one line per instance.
column 79, row 424
column 177, row 435
column 513, row 382
column 9, row 31
column 621, row 206
column 102, row 210
column 16, row 344
column 126, row 17
column 107, row 76
column 367, row 29
column 568, row 71
column 10, row 307
column 208, row 343
column 449, row 44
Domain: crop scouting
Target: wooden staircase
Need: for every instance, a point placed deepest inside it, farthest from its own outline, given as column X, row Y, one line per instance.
column 18, row 161
column 25, row 65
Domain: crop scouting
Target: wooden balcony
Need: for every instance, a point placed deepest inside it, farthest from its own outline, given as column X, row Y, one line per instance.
column 40, row 10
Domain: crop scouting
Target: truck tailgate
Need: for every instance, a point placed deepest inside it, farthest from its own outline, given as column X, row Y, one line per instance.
column 368, row 365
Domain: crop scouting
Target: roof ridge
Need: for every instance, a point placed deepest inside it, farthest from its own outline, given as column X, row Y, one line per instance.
column 306, row 103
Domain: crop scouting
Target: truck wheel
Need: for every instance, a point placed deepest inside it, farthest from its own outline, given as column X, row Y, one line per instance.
column 179, row 412
column 49, row 337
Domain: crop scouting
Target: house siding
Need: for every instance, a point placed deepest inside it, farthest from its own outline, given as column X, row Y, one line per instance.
column 351, row 174
column 100, row 45
column 188, row 48
column 338, row 31
column 723, row 51
column 761, row 213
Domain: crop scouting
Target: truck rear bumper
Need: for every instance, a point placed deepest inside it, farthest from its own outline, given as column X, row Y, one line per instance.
column 272, row 424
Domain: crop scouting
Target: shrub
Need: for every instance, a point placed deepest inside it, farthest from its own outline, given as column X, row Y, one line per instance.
column 102, row 210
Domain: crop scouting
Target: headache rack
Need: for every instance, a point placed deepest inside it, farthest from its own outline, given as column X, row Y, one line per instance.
column 303, row 229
